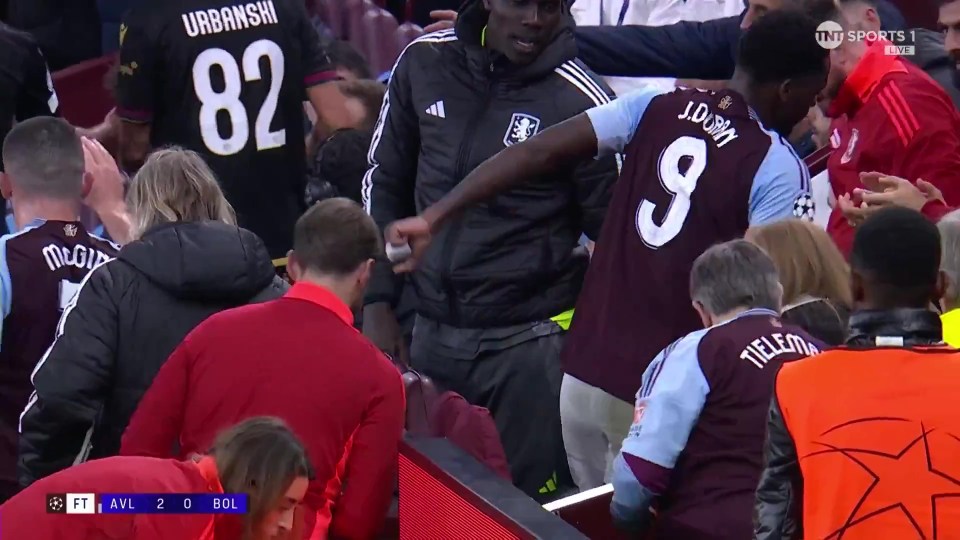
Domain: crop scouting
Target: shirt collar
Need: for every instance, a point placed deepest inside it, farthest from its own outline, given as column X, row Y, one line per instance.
column 322, row 297
column 862, row 81
column 757, row 311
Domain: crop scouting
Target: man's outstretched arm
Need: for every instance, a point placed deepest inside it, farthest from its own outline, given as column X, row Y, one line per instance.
column 685, row 50
column 601, row 131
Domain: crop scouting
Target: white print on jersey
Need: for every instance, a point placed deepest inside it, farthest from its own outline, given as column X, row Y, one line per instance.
column 229, row 18
column 82, row 257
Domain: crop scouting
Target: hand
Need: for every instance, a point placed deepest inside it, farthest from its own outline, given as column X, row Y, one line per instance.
column 414, row 232
column 883, row 190
column 106, row 192
column 381, row 327
column 855, row 214
column 445, row 18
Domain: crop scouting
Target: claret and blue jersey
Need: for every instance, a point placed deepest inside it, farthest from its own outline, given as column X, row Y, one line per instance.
column 41, row 269
column 695, row 447
column 699, row 168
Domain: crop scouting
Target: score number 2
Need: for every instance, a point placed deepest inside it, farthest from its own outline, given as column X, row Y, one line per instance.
column 680, row 185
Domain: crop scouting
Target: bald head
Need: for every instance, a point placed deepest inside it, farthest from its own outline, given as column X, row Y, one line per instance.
column 43, row 157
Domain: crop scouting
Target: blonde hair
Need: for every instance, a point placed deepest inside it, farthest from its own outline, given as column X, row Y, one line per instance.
column 176, row 185
column 807, row 260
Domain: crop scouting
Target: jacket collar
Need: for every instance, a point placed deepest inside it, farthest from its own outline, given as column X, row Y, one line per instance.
column 863, row 80
column 322, row 297
column 897, row 327
column 489, row 63
column 208, row 470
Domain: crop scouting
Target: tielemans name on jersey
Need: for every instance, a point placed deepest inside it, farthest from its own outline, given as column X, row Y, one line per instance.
column 58, row 256
column 764, row 349
column 714, row 125
column 229, row 18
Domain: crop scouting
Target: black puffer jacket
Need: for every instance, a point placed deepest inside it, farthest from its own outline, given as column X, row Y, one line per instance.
column 129, row 315
column 452, row 104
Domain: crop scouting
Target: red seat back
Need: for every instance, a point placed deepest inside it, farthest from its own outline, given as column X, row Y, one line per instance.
column 406, row 33
column 83, row 99
column 332, row 14
column 381, row 51
column 353, row 12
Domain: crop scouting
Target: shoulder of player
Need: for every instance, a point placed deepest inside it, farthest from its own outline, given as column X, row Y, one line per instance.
column 780, row 160
column 426, row 48
column 905, row 102
column 583, row 87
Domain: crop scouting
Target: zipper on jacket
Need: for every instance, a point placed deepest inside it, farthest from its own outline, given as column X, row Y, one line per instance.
column 450, row 242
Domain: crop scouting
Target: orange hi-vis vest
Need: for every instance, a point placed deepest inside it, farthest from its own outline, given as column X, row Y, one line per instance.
column 877, row 434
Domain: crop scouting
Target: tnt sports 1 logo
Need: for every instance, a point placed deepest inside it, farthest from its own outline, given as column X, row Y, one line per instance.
column 830, row 35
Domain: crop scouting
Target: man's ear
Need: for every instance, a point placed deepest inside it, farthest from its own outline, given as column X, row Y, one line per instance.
column 486, row 4
column 6, row 186
column 783, row 91
column 87, row 185
column 365, row 272
column 705, row 317
column 294, row 272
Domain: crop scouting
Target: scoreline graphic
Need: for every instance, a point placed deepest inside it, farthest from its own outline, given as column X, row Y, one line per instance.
column 146, row 503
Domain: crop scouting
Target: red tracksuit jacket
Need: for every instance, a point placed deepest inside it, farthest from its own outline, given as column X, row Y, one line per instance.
column 900, row 122
column 300, row 359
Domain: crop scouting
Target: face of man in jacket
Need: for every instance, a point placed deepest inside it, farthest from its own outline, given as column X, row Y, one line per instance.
column 843, row 59
column 522, row 29
column 950, row 21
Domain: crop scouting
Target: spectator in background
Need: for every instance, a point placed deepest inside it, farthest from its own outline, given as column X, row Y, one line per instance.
column 495, row 295
column 189, row 260
column 815, row 278
column 930, row 52
column 695, row 449
column 363, row 98
column 348, row 61
column 259, row 457
column 338, row 171
column 949, row 227
column 250, row 131
column 344, row 400
column 872, row 452
column 68, row 31
column 45, row 262
column 949, row 19
column 339, row 166
column 899, row 121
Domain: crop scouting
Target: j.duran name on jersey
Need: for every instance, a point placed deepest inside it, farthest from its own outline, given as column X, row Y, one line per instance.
column 229, row 18
column 82, row 257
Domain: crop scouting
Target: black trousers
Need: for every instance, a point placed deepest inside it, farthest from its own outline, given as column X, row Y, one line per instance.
column 515, row 373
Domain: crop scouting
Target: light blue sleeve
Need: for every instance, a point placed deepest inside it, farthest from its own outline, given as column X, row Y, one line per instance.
column 6, row 290
column 616, row 122
column 781, row 186
column 668, row 406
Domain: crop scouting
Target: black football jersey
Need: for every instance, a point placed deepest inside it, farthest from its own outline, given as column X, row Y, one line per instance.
column 26, row 88
column 227, row 78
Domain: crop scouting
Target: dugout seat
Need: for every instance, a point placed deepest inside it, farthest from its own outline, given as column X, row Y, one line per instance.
column 332, row 14
column 406, row 33
column 381, row 51
column 84, row 101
